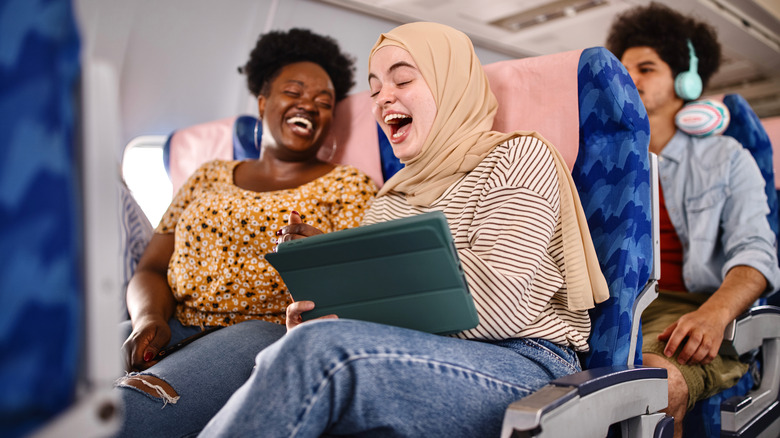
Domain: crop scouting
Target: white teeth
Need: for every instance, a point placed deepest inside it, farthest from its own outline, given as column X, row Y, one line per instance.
column 390, row 117
column 307, row 123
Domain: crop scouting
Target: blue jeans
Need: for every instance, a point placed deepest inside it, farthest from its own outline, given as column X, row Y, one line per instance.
column 343, row 377
column 204, row 374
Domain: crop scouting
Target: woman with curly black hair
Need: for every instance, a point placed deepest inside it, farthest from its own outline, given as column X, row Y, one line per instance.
column 277, row 49
column 204, row 268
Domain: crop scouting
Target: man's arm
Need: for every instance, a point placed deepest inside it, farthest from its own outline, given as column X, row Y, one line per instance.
column 704, row 327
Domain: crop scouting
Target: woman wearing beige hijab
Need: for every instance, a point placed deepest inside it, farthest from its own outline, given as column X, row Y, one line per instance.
column 523, row 245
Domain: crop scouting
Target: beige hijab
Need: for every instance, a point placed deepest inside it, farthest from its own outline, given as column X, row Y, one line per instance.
column 461, row 138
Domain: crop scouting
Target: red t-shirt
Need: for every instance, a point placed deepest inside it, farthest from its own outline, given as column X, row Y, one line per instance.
column 671, row 252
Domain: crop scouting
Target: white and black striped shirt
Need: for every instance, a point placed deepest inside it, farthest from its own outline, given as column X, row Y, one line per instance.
column 505, row 219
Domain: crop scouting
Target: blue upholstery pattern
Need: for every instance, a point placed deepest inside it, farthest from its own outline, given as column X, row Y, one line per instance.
column 612, row 174
column 745, row 126
column 390, row 163
column 40, row 244
column 245, row 145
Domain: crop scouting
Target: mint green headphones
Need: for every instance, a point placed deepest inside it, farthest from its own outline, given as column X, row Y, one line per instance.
column 687, row 84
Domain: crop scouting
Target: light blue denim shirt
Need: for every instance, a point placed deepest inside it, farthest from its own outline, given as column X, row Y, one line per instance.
column 714, row 194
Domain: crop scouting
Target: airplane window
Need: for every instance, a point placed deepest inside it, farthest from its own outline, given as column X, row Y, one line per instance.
column 144, row 173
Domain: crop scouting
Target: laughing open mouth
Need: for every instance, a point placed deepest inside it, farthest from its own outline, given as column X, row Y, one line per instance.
column 397, row 122
column 301, row 125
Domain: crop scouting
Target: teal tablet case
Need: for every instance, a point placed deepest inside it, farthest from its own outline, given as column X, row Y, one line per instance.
column 403, row 272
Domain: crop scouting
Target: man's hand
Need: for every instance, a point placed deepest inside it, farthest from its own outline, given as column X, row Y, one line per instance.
column 701, row 331
column 700, row 334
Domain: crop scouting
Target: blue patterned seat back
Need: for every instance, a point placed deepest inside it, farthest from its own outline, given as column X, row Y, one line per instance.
column 390, row 163
column 612, row 174
column 40, row 245
column 746, row 128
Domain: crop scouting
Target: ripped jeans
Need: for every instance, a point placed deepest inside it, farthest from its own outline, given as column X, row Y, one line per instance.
column 343, row 377
column 201, row 376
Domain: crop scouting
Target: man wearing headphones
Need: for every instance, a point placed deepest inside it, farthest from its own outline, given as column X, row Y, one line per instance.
column 717, row 249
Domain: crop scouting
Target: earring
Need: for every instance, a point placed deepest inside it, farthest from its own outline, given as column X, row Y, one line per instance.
column 257, row 123
column 332, row 151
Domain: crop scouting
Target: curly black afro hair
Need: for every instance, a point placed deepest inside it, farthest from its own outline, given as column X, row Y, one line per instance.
column 278, row 49
column 666, row 31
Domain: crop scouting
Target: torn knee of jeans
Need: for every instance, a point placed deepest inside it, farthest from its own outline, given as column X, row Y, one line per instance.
column 151, row 385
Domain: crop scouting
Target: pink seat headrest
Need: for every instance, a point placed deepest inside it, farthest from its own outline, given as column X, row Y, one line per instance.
column 540, row 94
column 192, row 146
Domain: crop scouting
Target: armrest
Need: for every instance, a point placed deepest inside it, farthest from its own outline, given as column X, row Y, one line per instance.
column 750, row 329
column 759, row 327
column 589, row 401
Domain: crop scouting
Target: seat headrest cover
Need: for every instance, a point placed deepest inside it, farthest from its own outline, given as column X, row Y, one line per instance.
column 192, row 146
column 353, row 136
column 539, row 94
column 702, row 118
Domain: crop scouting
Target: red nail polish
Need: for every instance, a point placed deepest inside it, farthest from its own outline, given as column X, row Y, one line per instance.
column 279, row 232
column 148, row 356
column 296, row 212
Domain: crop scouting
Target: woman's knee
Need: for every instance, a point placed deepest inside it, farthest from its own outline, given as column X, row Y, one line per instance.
column 152, row 386
column 326, row 339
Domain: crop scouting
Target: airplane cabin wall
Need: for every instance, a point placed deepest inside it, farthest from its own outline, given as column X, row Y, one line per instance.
column 177, row 59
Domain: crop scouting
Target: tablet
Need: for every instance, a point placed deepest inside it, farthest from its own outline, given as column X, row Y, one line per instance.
column 403, row 272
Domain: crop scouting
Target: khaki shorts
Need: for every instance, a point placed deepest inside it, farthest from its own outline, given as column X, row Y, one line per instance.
column 703, row 381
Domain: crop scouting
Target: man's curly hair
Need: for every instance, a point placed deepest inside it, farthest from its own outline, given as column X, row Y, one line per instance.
column 277, row 49
column 666, row 31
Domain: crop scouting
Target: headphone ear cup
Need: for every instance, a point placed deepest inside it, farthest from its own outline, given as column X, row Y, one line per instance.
column 688, row 85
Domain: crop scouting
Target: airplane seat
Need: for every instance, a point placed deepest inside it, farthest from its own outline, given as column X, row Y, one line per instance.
column 746, row 127
column 40, row 216
column 55, row 374
column 247, row 132
column 752, row 406
column 601, row 130
column 616, row 180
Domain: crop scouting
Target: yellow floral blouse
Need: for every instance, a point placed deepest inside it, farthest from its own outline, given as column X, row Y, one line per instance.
column 218, row 272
